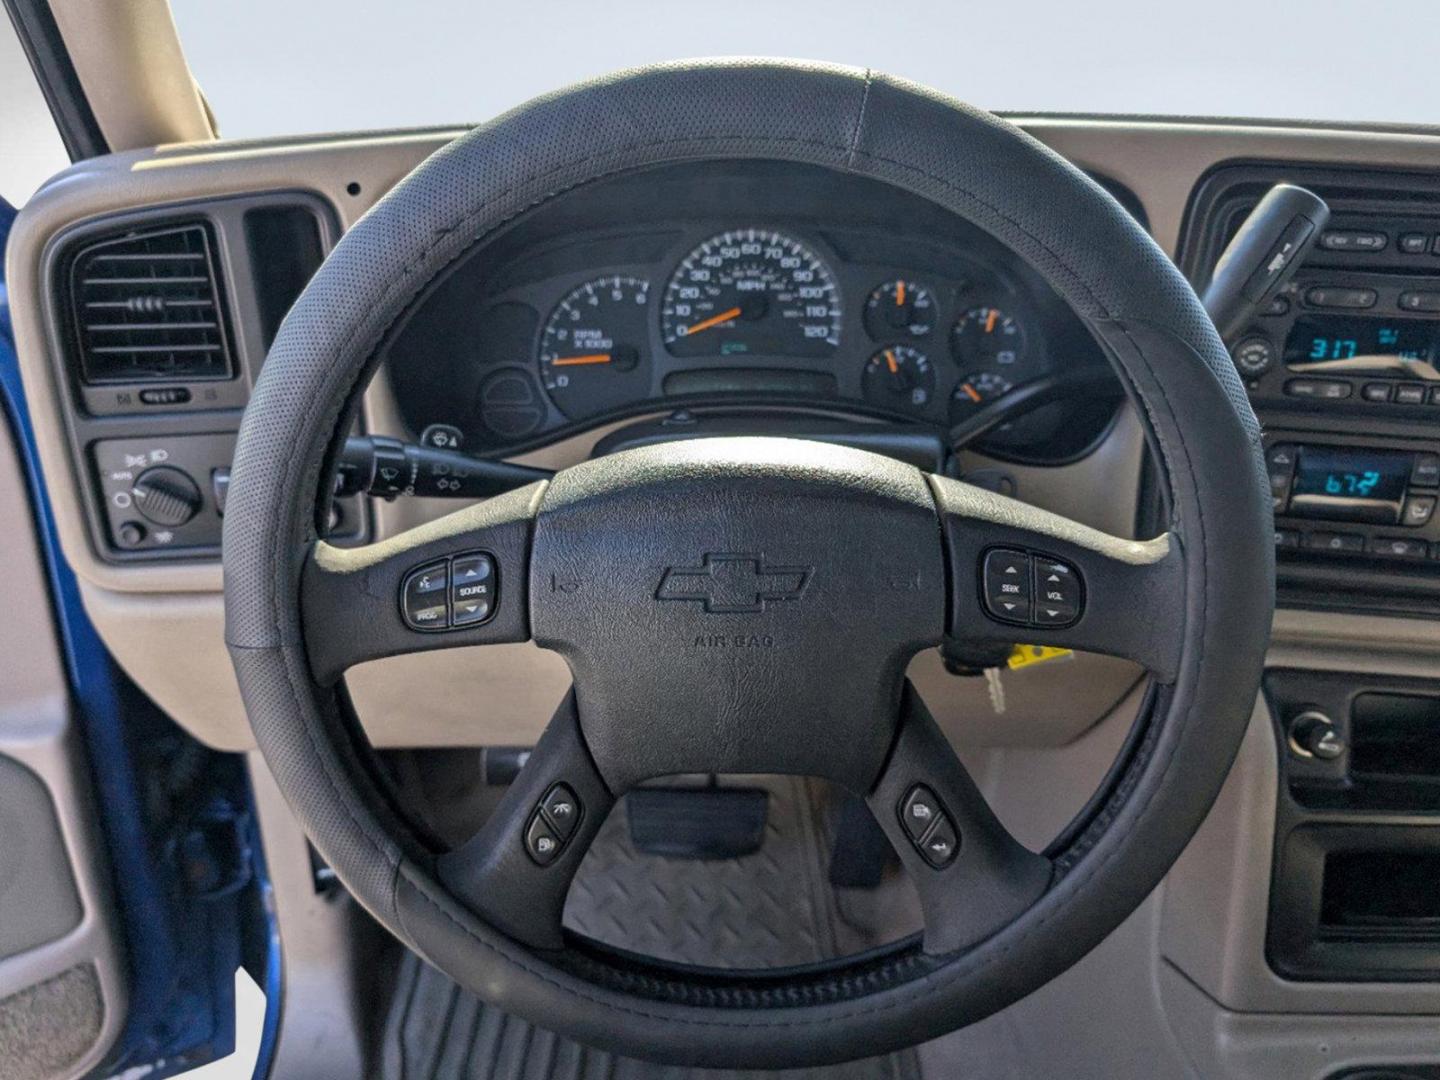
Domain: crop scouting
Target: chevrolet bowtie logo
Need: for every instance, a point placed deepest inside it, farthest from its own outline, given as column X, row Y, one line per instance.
column 732, row 584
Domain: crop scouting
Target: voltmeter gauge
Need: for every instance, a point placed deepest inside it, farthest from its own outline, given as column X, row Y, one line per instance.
column 989, row 338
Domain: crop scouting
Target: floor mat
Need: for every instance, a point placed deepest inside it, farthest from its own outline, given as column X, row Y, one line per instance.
column 436, row 1031
column 773, row 908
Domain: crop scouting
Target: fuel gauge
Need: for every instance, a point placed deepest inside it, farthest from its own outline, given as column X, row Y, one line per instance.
column 899, row 377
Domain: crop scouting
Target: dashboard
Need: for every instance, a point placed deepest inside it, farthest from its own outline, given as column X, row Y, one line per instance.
column 738, row 285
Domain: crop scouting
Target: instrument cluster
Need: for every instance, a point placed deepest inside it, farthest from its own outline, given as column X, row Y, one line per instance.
column 887, row 318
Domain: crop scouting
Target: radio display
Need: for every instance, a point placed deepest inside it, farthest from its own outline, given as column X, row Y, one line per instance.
column 1321, row 339
column 1349, row 485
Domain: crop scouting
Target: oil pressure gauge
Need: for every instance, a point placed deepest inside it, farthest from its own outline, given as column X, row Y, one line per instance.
column 899, row 308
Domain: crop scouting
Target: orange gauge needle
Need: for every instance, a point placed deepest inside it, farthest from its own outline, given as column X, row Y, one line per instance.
column 714, row 320
column 575, row 361
column 990, row 321
column 890, row 362
column 900, row 294
column 970, row 392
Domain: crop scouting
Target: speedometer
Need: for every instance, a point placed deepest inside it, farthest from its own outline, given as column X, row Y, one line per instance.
column 751, row 292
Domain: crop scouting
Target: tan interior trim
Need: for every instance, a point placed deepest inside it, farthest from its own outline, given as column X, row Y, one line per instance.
column 130, row 65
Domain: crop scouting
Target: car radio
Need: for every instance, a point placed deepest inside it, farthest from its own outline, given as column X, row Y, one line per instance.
column 1362, row 340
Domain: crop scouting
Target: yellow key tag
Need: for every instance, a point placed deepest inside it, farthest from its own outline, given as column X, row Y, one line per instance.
column 1023, row 656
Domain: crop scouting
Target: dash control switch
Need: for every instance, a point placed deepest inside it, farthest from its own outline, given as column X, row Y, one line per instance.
column 929, row 827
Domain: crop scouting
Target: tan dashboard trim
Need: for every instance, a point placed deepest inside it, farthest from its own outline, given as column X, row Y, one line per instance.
column 143, row 611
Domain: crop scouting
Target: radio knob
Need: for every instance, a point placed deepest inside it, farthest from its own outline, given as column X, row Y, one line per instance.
column 1254, row 356
column 166, row 496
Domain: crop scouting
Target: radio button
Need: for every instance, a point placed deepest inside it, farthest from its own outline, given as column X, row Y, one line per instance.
column 1409, row 394
column 1419, row 301
column 1397, row 547
column 1418, row 510
column 1414, row 243
column 1350, row 240
column 1338, row 543
column 1336, row 296
column 1426, row 471
column 1287, row 538
column 1377, row 392
column 1320, row 389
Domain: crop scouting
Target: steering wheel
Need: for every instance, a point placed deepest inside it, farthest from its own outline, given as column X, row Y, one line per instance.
column 750, row 605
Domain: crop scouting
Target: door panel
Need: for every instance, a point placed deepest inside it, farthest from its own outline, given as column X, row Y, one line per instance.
column 62, row 992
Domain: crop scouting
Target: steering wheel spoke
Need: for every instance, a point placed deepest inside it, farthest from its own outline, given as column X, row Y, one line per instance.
column 972, row 876
column 515, row 871
column 1018, row 572
column 460, row 580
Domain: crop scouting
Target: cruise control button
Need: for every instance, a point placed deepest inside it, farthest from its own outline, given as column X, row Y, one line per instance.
column 423, row 597
column 939, row 847
column 541, row 843
column 561, row 810
column 1007, row 585
column 919, row 811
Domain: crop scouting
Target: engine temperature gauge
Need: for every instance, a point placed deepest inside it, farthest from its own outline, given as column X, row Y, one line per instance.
column 898, row 308
column 899, row 378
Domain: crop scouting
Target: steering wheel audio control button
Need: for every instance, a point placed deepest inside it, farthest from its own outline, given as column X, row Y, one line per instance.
column 1057, row 593
column 423, row 600
column 929, row 827
column 920, row 810
column 1008, row 589
column 940, row 845
column 562, row 810
column 472, row 588
column 541, row 843
column 1030, row 588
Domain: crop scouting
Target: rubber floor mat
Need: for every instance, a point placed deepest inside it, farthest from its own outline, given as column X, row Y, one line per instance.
column 773, row 908
column 436, row 1031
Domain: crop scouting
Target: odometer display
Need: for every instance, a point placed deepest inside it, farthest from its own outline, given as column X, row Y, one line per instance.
column 751, row 292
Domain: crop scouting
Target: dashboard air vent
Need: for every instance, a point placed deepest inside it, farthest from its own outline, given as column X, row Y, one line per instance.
column 147, row 306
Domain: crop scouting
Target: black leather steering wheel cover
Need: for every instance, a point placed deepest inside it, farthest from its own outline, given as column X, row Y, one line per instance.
column 968, row 161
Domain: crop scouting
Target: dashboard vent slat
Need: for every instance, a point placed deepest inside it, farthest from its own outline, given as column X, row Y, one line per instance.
column 146, row 306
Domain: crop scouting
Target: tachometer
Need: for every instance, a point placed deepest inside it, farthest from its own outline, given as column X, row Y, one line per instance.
column 751, row 292
column 592, row 350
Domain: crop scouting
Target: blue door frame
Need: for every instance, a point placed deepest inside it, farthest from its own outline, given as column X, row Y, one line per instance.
column 187, row 870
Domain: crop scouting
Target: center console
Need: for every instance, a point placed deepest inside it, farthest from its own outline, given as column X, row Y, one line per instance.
column 1343, row 369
